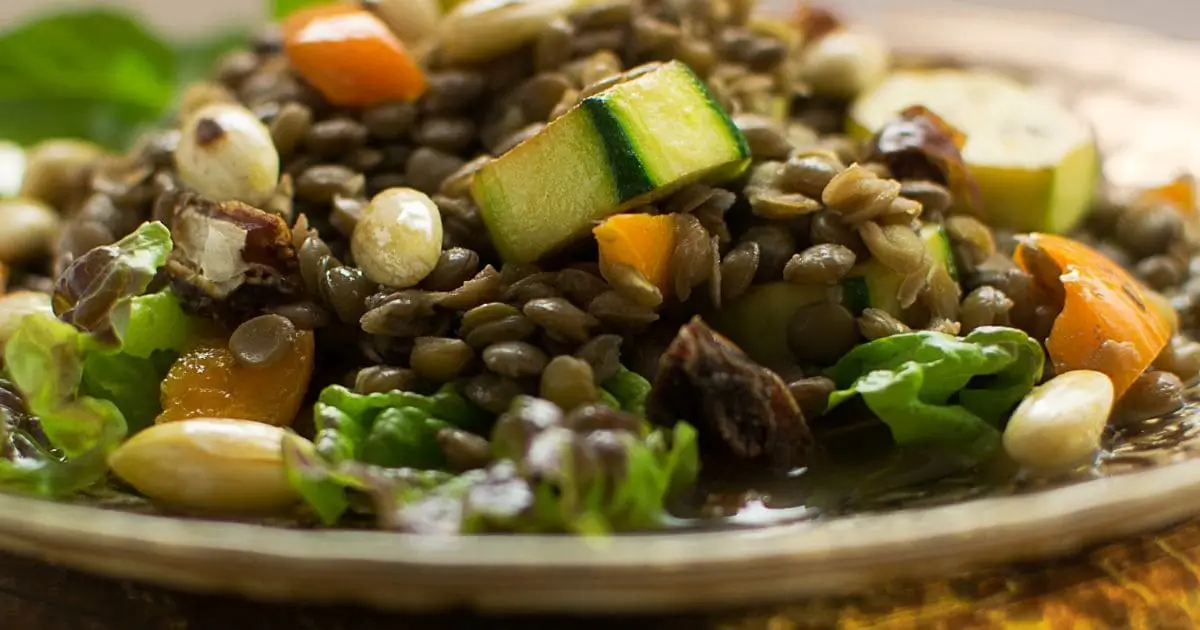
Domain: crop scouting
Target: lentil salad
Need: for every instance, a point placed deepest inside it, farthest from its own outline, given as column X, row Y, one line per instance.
column 826, row 273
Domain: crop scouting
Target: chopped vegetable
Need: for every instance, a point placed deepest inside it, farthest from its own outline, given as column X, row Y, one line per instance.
column 17, row 305
column 351, row 56
column 396, row 430
column 705, row 379
column 154, row 331
column 99, row 298
column 870, row 284
column 284, row 8
column 558, row 486
column 208, row 381
column 620, row 148
column 1034, row 160
column 88, row 292
column 925, row 385
column 1109, row 322
column 46, row 361
column 150, row 323
column 757, row 321
column 642, row 241
column 630, row 391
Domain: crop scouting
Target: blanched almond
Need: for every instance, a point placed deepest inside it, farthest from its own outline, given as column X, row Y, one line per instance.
column 209, row 465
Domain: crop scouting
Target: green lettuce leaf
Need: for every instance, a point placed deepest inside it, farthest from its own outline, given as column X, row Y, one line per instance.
column 502, row 500
column 629, row 389
column 936, row 389
column 45, row 358
column 91, row 376
column 153, row 331
column 151, row 323
column 372, row 432
column 405, row 437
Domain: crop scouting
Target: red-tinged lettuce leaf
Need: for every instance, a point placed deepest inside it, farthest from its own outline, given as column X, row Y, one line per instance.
column 88, row 291
column 919, row 144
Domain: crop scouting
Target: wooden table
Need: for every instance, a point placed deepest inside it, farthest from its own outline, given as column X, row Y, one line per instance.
column 1149, row 582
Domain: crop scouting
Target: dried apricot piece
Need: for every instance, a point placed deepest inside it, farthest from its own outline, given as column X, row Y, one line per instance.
column 208, row 381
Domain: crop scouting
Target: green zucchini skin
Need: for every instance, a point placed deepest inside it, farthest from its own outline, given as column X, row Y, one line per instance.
column 623, row 147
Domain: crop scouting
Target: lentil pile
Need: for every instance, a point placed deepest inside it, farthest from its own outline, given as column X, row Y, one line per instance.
column 335, row 240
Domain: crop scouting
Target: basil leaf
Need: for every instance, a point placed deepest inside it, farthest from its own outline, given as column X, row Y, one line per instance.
column 94, row 74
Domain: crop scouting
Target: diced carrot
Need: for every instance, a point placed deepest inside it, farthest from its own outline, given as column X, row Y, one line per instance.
column 208, row 382
column 1110, row 322
column 1179, row 194
column 351, row 56
column 641, row 241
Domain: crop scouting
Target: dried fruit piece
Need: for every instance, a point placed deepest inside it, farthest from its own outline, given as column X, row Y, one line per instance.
column 209, row 381
column 710, row 382
column 919, row 144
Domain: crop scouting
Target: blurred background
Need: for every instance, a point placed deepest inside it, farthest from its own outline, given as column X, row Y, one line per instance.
column 1173, row 17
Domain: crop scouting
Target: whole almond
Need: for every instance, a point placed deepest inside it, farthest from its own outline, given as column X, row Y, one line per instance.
column 209, row 465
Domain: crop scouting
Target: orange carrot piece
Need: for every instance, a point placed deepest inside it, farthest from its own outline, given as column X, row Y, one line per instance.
column 351, row 56
column 641, row 241
column 208, row 382
column 1110, row 322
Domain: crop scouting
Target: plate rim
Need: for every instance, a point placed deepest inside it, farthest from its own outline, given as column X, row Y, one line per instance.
column 628, row 573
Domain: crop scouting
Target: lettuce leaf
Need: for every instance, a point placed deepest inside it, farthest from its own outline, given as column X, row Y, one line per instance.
column 502, row 499
column 384, row 445
column 92, row 374
column 629, row 389
column 45, row 358
column 91, row 290
column 368, row 433
column 935, row 389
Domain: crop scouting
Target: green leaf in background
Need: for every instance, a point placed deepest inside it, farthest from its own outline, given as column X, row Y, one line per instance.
column 284, row 8
column 94, row 74
column 936, row 389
